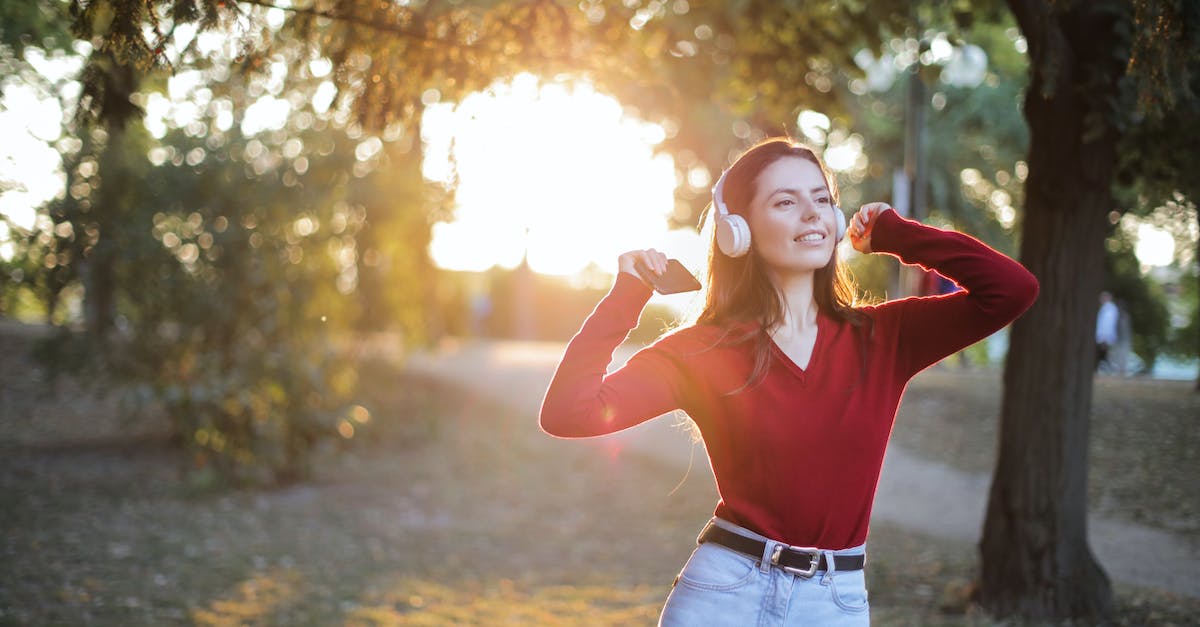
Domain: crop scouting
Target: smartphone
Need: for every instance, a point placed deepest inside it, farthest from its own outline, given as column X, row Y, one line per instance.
column 676, row 279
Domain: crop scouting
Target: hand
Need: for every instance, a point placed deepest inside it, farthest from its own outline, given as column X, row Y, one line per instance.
column 650, row 259
column 863, row 223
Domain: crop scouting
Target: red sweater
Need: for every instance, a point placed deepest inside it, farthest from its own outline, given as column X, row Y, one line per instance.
column 796, row 457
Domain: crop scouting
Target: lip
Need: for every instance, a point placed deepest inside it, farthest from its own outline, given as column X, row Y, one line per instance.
column 798, row 239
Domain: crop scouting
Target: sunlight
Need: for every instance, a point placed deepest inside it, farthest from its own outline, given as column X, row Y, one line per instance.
column 30, row 172
column 553, row 173
column 1155, row 247
column 845, row 155
column 814, row 125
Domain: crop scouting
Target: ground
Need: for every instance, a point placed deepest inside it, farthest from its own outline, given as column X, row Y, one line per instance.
column 447, row 510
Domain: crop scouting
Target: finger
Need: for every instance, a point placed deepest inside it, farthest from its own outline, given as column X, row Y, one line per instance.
column 866, row 214
column 652, row 260
column 639, row 265
column 662, row 262
column 627, row 261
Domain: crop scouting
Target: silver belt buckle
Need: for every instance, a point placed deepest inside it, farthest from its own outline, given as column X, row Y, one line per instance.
column 813, row 564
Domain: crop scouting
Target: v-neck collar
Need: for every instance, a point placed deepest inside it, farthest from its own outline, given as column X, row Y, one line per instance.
column 792, row 366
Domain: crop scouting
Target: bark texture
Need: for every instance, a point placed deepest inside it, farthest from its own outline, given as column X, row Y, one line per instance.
column 1035, row 558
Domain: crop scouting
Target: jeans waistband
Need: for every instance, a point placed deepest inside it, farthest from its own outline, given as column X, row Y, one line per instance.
column 742, row 531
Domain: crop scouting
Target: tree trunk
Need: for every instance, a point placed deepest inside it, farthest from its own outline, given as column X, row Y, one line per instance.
column 99, row 287
column 1197, row 261
column 117, row 81
column 100, row 267
column 1035, row 558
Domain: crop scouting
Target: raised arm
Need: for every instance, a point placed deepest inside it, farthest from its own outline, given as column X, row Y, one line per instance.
column 996, row 290
column 583, row 400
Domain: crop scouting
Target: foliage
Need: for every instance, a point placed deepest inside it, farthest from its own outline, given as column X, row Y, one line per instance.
column 974, row 139
column 227, row 324
column 236, row 259
column 233, row 253
column 33, row 23
column 1139, row 296
column 731, row 64
column 1160, row 146
column 1178, row 283
column 1164, row 61
column 1185, row 339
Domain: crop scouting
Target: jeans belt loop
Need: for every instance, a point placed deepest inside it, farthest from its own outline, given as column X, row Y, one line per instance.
column 830, row 568
column 770, row 555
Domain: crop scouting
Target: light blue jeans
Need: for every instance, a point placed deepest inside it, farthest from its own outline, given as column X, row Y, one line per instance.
column 719, row 586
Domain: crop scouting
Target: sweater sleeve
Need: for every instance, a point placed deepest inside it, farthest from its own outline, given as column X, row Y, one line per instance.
column 584, row 400
column 996, row 290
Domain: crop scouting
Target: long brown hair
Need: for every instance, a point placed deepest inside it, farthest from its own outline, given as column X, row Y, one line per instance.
column 738, row 289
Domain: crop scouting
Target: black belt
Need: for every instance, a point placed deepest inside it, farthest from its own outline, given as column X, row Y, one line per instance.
column 793, row 559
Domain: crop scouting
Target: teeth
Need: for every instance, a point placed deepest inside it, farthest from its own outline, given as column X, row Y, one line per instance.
column 811, row 237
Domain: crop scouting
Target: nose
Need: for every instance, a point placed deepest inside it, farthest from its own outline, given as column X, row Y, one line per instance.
column 809, row 211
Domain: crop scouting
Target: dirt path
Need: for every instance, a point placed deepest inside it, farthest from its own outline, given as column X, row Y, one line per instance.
column 920, row 494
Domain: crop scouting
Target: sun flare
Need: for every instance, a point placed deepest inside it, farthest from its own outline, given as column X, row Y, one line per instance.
column 553, row 173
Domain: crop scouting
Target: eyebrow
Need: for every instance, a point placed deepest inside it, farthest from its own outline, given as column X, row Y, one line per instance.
column 795, row 192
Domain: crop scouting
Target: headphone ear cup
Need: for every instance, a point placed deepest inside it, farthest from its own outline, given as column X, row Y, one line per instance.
column 733, row 235
column 841, row 222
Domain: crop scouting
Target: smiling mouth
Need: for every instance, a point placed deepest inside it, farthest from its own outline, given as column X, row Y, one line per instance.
column 810, row 237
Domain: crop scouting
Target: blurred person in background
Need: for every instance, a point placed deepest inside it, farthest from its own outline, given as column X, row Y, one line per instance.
column 1106, row 331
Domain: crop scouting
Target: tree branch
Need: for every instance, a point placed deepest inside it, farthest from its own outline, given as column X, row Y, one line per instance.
column 350, row 19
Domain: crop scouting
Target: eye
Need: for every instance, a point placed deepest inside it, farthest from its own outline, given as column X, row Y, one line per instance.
column 824, row 201
column 784, row 202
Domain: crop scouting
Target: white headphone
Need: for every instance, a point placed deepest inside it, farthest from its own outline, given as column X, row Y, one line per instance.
column 733, row 234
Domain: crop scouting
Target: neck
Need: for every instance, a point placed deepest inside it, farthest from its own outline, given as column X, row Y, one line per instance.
column 799, row 306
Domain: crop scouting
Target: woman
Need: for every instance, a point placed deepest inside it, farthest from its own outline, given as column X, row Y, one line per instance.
column 793, row 387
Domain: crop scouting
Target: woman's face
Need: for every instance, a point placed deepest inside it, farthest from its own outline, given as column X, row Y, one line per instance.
column 792, row 224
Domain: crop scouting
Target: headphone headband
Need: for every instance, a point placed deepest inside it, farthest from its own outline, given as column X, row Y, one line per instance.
column 732, row 232
column 718, row 193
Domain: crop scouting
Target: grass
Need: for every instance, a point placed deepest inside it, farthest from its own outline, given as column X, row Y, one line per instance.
column 447, row 510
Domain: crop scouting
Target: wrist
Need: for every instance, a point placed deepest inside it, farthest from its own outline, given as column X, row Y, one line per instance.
column 630, row 278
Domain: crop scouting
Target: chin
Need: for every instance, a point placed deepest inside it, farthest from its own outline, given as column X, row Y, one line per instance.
column 811, row 260
column 800, row 264
column 789, row 258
